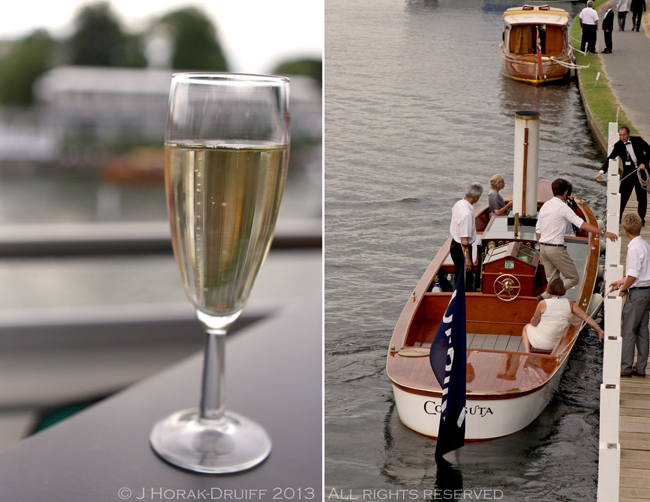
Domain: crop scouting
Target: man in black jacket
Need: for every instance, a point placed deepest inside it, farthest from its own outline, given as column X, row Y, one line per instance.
column 638, row 8
column 634, row 152
column 608, row 27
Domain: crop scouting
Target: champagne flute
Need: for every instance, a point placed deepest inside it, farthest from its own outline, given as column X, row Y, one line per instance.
column 226, row 155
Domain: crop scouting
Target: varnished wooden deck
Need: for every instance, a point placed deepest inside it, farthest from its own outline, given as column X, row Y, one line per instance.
column 634, row 418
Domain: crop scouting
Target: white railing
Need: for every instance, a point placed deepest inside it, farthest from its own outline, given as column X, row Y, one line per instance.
column 609, row 454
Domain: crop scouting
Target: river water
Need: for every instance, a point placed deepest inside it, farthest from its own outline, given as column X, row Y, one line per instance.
column 416, row 108
column 45, row 195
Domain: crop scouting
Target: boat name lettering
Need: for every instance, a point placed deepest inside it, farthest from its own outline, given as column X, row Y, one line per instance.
column 433, row 408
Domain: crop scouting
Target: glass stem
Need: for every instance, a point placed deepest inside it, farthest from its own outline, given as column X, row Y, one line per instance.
column 212, row 403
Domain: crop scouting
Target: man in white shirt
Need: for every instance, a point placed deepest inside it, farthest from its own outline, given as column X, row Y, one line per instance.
column 589, row 25
column 550, row 230
column 463, row 233
column 636, row 311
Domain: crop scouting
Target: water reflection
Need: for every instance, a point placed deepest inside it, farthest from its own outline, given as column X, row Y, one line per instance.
column 419, row 6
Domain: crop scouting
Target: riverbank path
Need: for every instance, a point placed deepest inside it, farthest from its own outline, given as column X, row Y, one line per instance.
column 629, row 72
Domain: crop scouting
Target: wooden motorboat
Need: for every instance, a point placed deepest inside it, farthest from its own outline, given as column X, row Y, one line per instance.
column 535, row 47
column 507, row 388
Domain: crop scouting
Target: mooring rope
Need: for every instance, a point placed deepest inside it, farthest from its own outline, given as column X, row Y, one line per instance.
column 603, row 191
column 594, row 310
column 643, row 182
column 568, row 65
column 584, row 53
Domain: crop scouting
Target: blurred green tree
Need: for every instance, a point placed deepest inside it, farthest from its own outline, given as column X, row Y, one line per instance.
column 195, row 44
column 98, row 40
column 26, row 60
column 307, row 66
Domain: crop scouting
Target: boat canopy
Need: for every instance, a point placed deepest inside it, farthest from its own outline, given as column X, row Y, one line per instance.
column 542, row 14
column 522, row 40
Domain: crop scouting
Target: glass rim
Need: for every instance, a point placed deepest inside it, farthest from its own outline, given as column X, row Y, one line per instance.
column 206, row 77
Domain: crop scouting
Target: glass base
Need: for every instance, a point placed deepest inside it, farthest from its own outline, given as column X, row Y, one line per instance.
column 231, row 444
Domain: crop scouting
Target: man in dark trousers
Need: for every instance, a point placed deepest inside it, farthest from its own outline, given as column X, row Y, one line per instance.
column 638, row 8
column 589, row 24
column 608, row 27
column 634, row 152
column 636, row 285
column 463, row 233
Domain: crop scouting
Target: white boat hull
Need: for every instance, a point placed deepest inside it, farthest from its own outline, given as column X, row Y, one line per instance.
column 486, row 418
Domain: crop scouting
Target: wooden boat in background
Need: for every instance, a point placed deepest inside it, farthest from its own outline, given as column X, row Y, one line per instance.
column 506, row 387
column 519, row 55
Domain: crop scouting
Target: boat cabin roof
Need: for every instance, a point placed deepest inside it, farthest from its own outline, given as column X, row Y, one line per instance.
column 542, row 14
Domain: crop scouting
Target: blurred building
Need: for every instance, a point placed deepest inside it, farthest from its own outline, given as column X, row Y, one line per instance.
column 115, row 108
column 105, row 105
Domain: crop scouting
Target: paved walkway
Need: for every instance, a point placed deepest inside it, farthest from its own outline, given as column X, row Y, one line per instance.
column 628, row 70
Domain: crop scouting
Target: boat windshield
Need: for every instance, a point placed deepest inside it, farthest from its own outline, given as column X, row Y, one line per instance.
column 499, row 230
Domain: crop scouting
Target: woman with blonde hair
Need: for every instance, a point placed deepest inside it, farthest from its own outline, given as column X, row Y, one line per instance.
column 551, row 319
column 498, row 206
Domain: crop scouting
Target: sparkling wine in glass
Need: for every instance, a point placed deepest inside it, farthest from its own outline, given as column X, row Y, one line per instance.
column 226, row 155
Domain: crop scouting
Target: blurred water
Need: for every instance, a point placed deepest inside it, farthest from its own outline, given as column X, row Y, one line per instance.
column 416, row 110
column 43, row 195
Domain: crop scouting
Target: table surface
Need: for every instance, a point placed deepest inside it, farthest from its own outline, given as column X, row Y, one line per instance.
column 273, row 376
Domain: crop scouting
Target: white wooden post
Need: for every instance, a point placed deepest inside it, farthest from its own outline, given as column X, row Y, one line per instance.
column 609, row 467
column 613, row 273
column 609, row 399
column 609, row 453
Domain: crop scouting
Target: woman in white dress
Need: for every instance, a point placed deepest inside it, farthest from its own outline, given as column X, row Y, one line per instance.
column 551, row 319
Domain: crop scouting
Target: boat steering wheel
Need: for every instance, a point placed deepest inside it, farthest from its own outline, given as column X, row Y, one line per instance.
column 507, row 287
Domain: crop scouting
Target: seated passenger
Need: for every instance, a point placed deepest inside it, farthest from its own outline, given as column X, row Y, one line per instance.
column 551, row 319
column 498, row 206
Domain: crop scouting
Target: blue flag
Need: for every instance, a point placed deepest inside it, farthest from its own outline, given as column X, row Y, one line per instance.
column 448, row 358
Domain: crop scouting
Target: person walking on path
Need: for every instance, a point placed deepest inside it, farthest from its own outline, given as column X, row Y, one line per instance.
column 638, row 8
column 634, row 153
column 550, row 230
column 463, row 233
column 636, row 311
column 608, row 27
column 622, row 7
column 589, row 25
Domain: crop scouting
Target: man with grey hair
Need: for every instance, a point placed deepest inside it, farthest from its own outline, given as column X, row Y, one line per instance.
column 589, row 25
column 608, row 27
column 463, row 234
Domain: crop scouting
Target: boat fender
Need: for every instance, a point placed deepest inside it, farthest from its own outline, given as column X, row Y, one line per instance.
column 595, row 304
column 601, row 224
column 601, row 272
